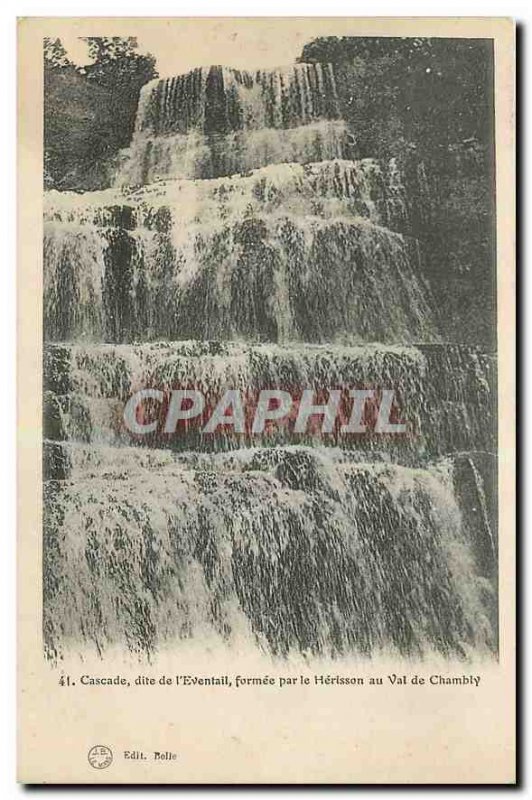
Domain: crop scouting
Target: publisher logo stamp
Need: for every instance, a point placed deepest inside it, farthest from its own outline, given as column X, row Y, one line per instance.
column 100, row 756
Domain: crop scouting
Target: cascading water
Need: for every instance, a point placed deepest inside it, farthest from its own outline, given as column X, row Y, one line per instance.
column 220, row 121
column 219, row 99
column 263, row 255
column 445, row 391
column 303, row 272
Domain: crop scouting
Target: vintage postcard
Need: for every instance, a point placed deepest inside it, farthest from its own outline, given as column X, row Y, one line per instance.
column 266, row 401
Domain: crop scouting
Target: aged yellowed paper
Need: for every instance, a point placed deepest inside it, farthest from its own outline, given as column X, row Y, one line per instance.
column 266, row 400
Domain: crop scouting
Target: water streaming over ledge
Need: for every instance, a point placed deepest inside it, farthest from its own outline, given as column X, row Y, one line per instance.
column 218, row 121
column 263, row 257
column 242, row 247
column 444, row 391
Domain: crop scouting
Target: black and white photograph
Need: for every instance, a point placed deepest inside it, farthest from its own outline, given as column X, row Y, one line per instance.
column 267, row 465
column 270, row 361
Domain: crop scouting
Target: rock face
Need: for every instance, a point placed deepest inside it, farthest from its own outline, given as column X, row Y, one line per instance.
column 304, row 272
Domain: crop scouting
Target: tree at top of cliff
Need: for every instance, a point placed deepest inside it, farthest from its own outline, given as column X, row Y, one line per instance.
column 115, row 60
column 55, row 55
column 89, row 111
column 337, row 48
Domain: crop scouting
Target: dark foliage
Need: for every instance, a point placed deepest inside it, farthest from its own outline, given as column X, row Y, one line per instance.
column 430, row 102
column 90, row 112
column 411, row 93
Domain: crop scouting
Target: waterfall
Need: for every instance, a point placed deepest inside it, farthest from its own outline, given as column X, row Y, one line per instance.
column 219, row 121
column 445, row 391
column 242, row 248
column 219, row 99
column 263, row 255
column 290, row 554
